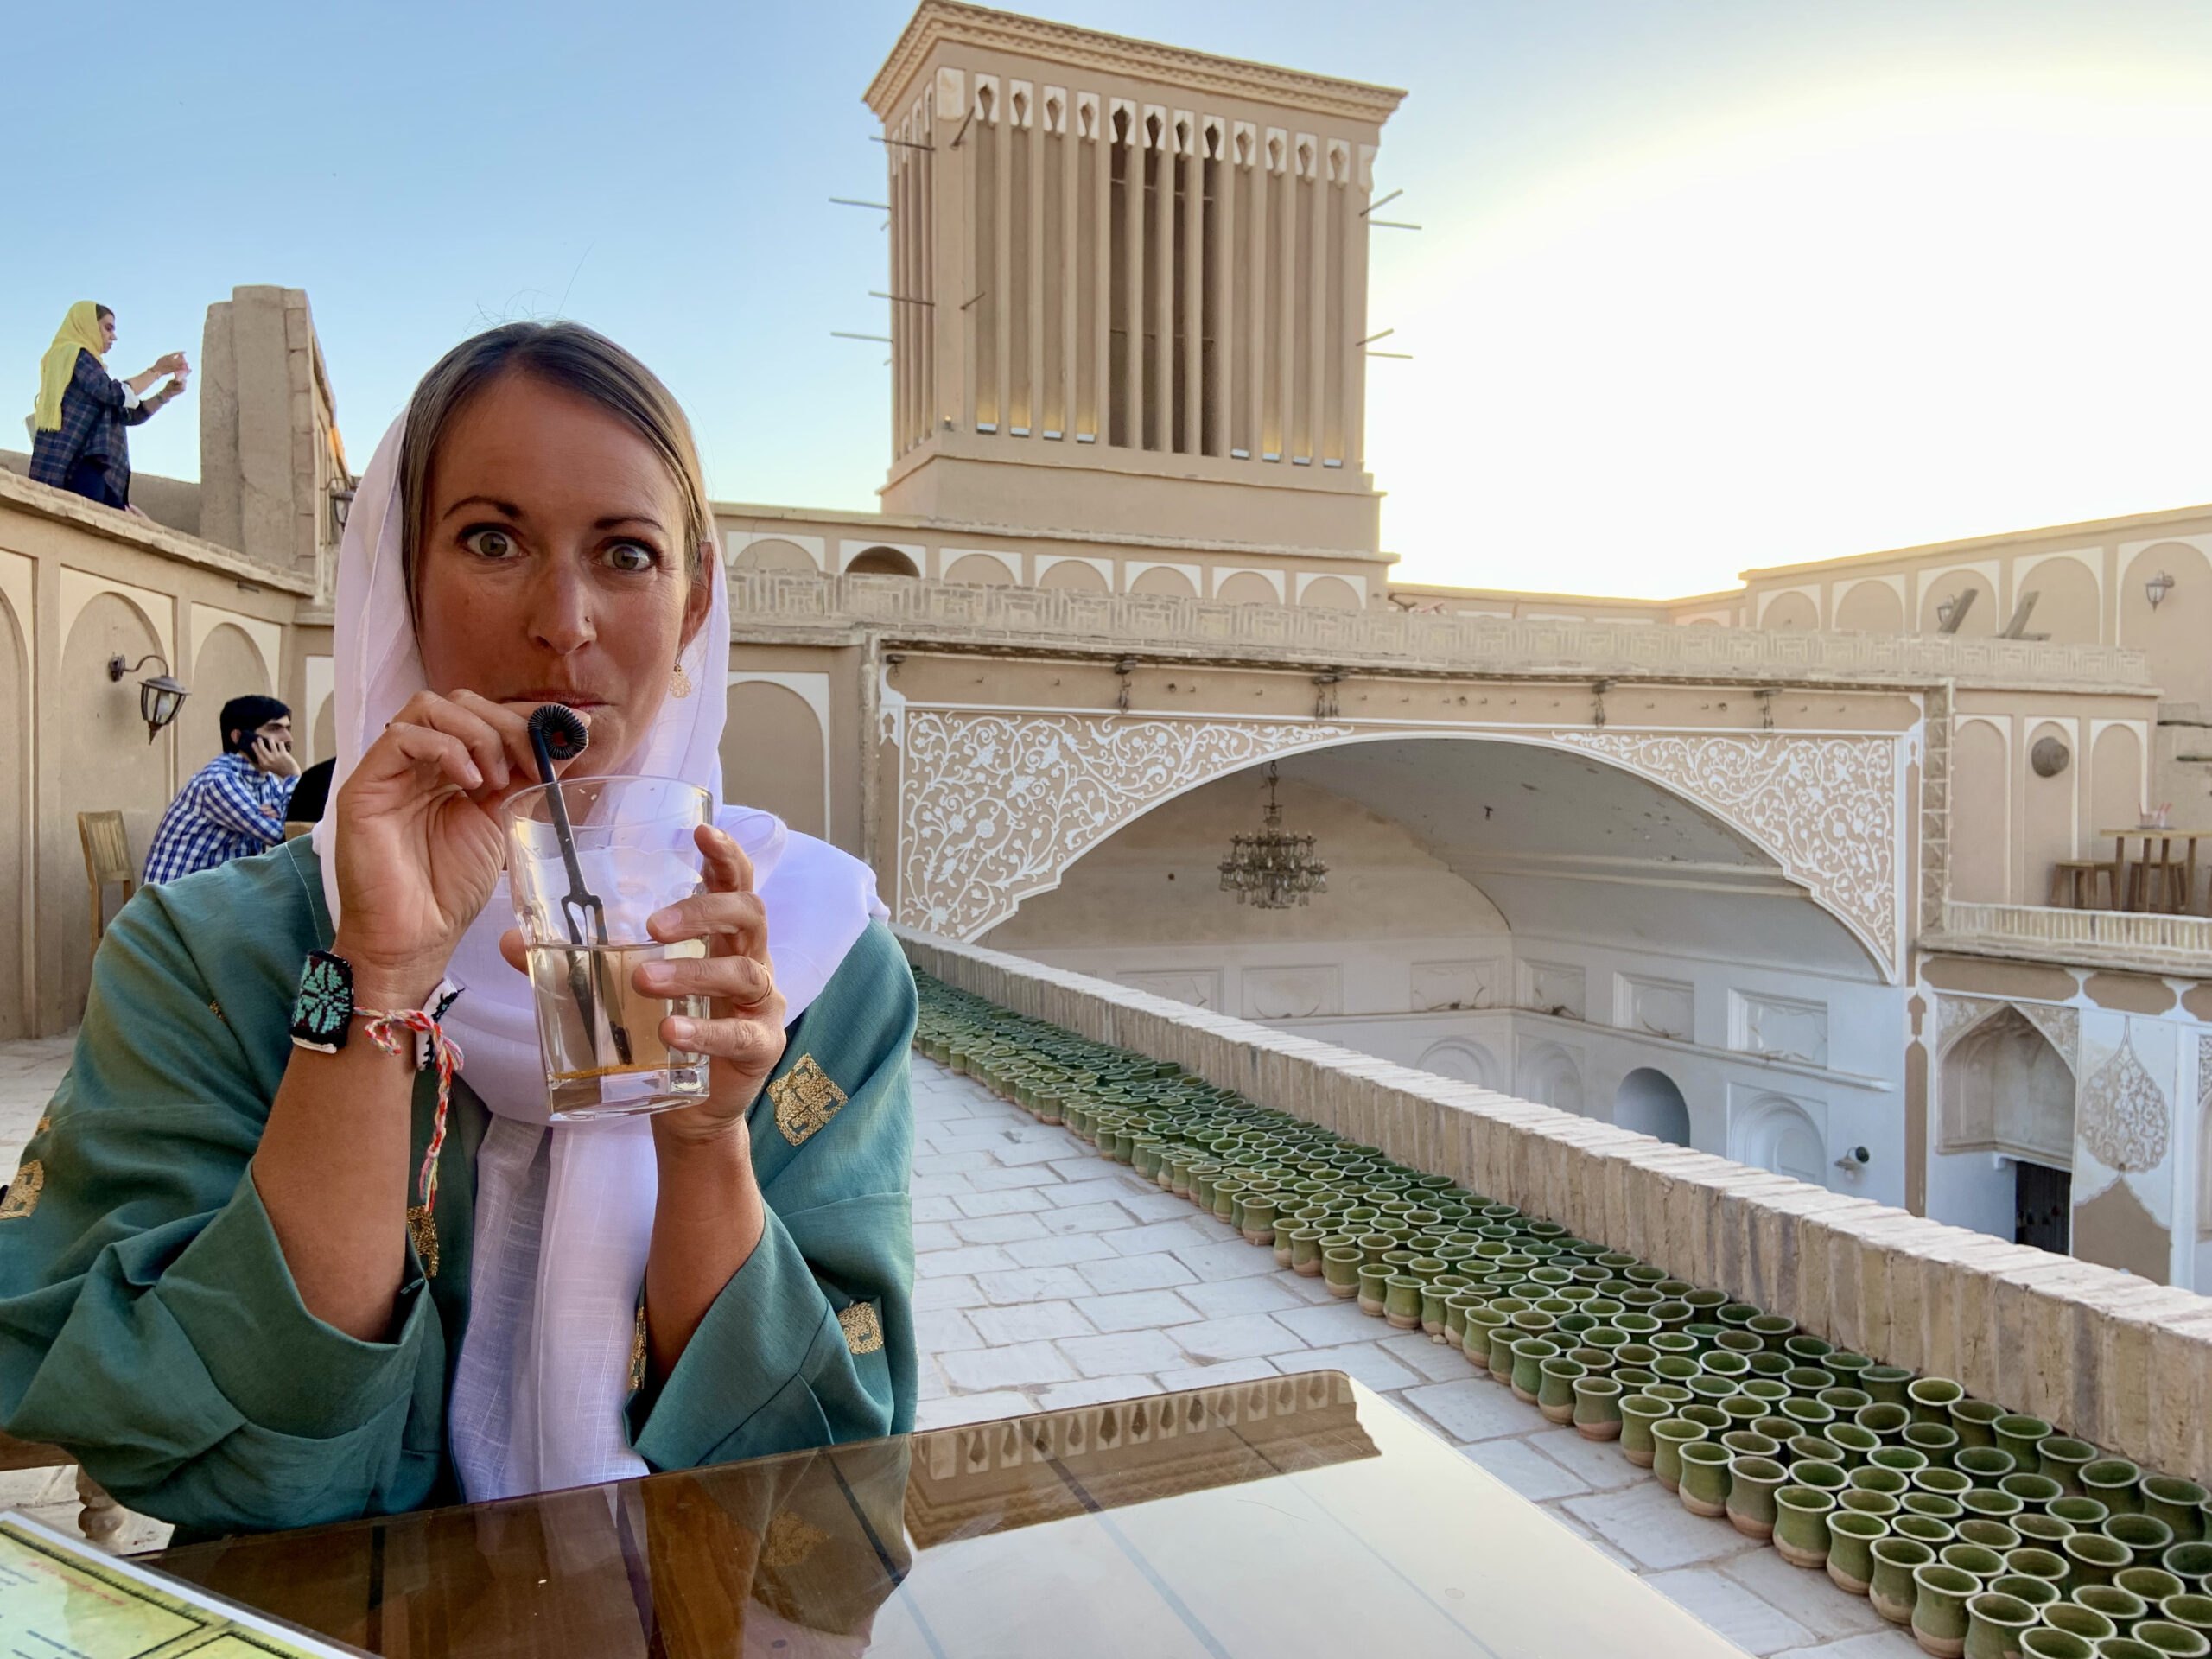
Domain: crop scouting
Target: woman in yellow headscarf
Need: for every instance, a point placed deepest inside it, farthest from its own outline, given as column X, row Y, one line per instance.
column 77, row 430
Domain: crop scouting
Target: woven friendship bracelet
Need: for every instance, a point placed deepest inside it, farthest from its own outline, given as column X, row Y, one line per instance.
column 432, row 1047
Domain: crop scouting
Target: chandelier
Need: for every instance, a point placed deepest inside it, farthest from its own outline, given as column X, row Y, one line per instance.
column 1272, row 870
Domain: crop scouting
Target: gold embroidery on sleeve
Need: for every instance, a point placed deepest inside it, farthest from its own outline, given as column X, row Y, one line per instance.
column 23, row 1191
column 423, row 1229
column 863, row 1330
column 805, row 1099
column 638, row 1352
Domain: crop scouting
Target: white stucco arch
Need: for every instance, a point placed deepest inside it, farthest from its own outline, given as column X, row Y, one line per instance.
column 995, row 805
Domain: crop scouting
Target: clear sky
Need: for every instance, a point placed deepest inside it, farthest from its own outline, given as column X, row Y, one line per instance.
column 1702, row 285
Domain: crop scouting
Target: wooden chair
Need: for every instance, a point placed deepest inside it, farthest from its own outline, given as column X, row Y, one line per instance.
column 107, row 863
column 2074, row 884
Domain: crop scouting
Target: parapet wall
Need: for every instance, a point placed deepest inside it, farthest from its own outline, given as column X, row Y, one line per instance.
column 2108, row 1356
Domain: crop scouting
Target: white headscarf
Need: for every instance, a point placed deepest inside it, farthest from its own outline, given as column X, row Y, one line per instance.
column 563, row 1214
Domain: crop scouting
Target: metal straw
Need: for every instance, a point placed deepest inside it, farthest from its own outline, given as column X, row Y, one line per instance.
column 556, row 734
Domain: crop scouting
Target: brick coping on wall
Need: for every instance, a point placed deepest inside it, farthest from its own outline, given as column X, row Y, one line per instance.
column 2105, row 1355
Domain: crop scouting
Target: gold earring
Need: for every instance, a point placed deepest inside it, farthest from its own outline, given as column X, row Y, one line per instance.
column 679, row 683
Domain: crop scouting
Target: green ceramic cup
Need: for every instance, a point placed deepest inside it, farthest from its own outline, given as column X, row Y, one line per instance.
column 1984, row 1465
column 2030, row 1563
column 2076, row 1620
column 2092, row 1558
column 1801, row 1525
column 2035, row 1491
column 1402, row 1301
column 2164, row 1637
column 1989, row 1503
column 2044, row 1643
column 2123, row 1607
column 2192, row 1563
column 1821, row 1475
column 1640, row 1414
column 1886, row 1420
column 1703, row 1487
column 2190, row 1609
column 1938, row 1442
column 2179, row 1504
column 2116, row 1484
column 1529, row 1354
column 1374, row 1288
column 2153, row 1584
column 2020, row 1435
column 2044, row 1530
column 1922, row 1529
column 1972, row 1418
column 1995, row 1622
column 1985, row 1564
column 2149, row 1537
column 1555, row 1379
column 2063, row 1458
column 1854, row 1442
column 1931, row 1399
column 1852, row 1536
column 1886, row 1382
column 1893, row 1590
column 2036, row 1592
column 1872, row 1477
column 1597, row 1412
column 1306, row 1251
column 1939, row 1608
column 1989, row 1534
column 1668, row 1438
column 1752, row 1483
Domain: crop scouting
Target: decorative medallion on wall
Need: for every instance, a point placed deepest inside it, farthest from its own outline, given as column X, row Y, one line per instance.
column 1827, row 807
column 2123, row 1116
column 994, row 807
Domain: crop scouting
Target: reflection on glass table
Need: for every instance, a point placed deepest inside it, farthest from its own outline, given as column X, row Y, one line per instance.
column 1302, row 1515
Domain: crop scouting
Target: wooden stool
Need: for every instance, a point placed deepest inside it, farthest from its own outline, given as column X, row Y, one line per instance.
column 2074, row 884
column 2155, row 885
column 107, row 863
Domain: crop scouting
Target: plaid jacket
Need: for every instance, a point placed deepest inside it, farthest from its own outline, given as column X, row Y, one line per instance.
column 92, row 419
column 229, row 809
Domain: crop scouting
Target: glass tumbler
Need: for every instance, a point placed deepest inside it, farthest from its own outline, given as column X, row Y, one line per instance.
column 587, row 869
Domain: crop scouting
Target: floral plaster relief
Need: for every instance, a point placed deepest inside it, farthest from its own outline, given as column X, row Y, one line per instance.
column 2123, row 1118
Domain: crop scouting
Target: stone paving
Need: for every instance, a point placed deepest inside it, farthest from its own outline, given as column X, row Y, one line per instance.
column 1048, row 1276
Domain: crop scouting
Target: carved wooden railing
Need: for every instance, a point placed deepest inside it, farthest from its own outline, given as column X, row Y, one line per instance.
column 2122, row 938
column 1005, row 616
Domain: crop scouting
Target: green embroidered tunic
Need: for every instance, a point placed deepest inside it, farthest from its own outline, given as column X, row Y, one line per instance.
column 149, row 1323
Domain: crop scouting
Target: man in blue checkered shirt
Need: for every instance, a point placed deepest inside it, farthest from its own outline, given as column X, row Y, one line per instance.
column 234, row 806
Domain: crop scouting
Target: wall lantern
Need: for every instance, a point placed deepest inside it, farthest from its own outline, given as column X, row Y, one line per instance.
column 2157, row 587
column 159, row 696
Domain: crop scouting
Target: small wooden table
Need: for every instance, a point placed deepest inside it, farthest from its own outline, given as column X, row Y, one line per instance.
column 2185, row 867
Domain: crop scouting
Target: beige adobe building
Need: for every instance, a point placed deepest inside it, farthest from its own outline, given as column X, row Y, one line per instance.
column 1762, row 873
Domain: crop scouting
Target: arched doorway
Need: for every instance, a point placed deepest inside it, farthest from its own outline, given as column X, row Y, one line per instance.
column 1779, row 1135
column 1552, row 1076
column 2005, row 1089
column 1648, row 1102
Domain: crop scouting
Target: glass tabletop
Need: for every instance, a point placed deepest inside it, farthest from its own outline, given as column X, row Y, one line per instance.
column 1301, row 1514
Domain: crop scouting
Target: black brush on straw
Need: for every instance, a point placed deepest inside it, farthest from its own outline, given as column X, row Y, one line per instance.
column 557, row 734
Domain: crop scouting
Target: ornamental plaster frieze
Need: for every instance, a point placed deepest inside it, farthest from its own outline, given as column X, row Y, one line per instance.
column 994, row 804
column 1827, row 809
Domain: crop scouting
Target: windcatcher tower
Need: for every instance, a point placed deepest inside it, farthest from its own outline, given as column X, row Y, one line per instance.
column 1129, row 285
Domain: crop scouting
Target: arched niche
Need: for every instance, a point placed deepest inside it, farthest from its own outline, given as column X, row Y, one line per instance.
column 2115, row 789
column 1649, row 1103
column 1332, row 594
column 1791, row 611
column 1981, row 786
column 883, row 562
column 111, row 766
column 772, row 754
column 15, row 837
column 2004, row 1089
column 1981, row 618
column 1166, row 581
column 1551, row 1077
column 1074, row 575
column 1246, row 588
column 2174, row 632
column 1462, row 1060
column 326, row 729
column 1871, row 608
column 2067, row 604
column 1778, row 1133
column 2049, row 833
column 228, row 664
column 772, row 554
column 979, row 568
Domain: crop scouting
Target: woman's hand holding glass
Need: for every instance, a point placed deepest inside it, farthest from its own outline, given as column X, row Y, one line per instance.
column 419, row 845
